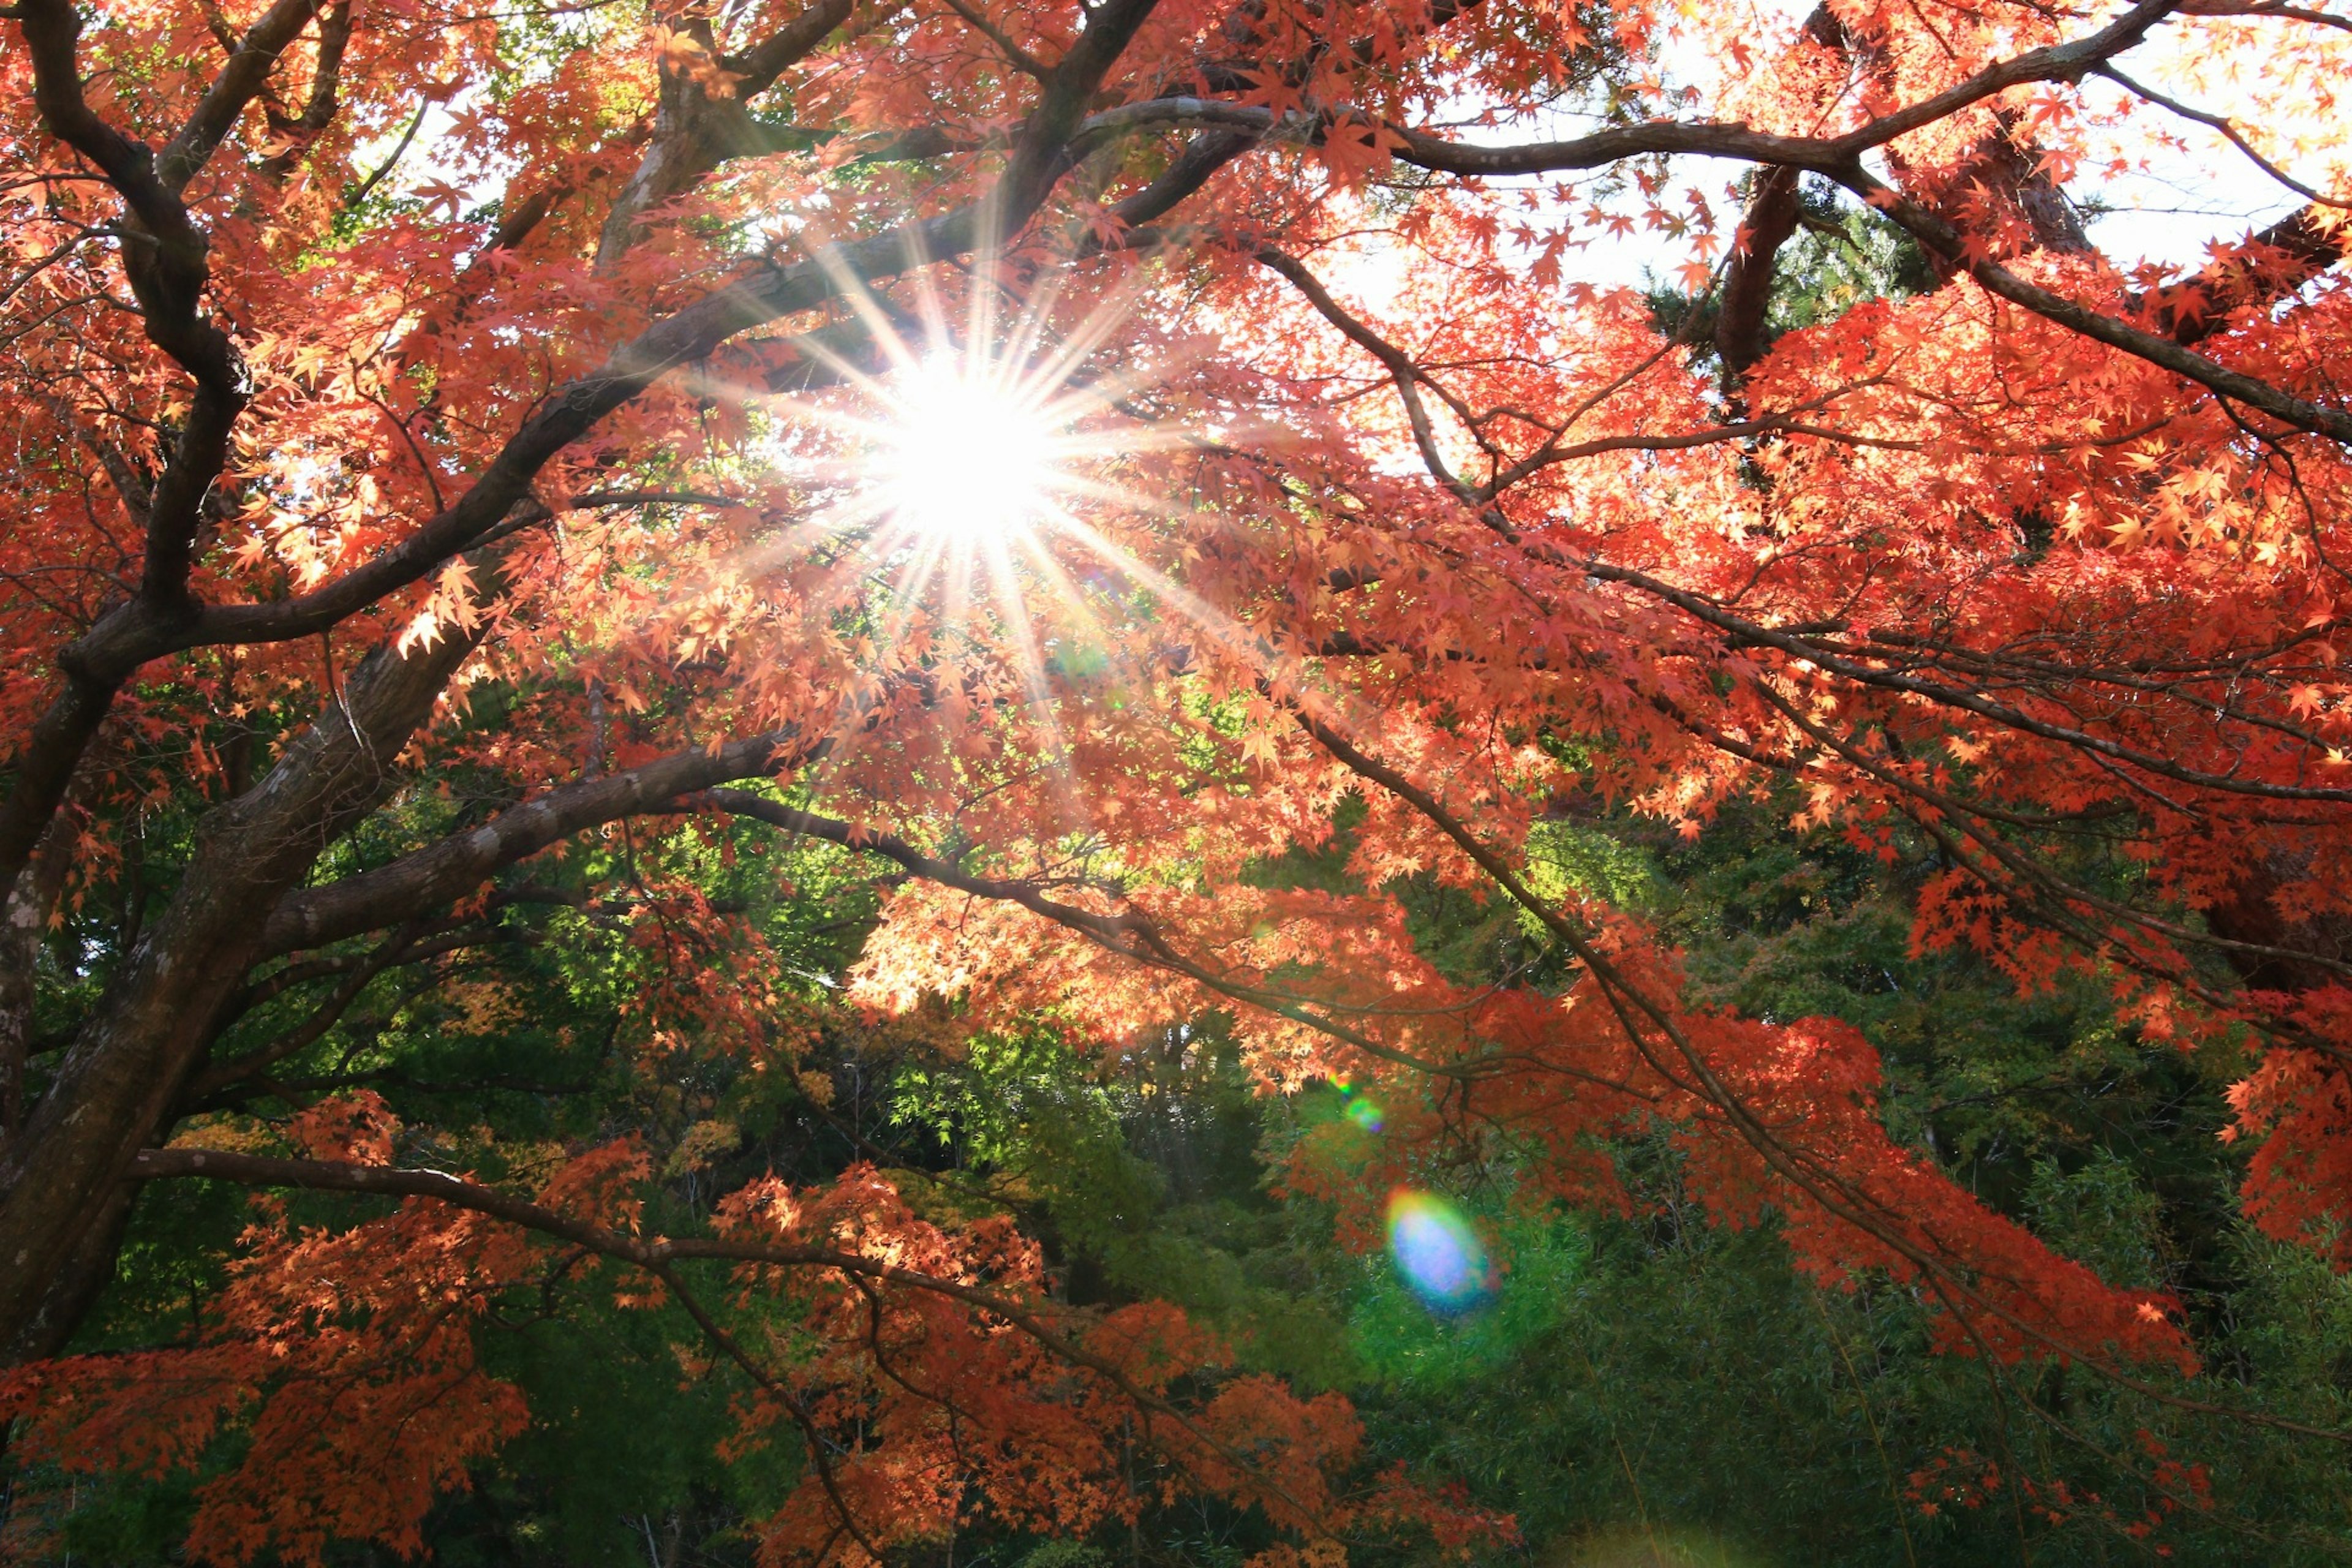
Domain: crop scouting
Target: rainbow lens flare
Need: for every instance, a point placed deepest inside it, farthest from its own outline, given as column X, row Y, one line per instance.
column 1441, row 1258
column 1367, row 1114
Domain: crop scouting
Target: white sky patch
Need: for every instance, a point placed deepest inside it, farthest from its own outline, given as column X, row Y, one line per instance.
column 2187, row 192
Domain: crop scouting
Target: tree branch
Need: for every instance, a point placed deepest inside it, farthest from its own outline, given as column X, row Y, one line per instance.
column 2166, row 353
column 1131, row 934
column 660, row 1256
column 436, row 875
column 1739, row 320
column 239, row 80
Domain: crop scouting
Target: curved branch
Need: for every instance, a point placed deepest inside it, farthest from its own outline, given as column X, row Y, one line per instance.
column 1131, row 935
column 239, row 82
column 2165, row 352
column 1712, row 139
column 2230, row 133
column 456, row 866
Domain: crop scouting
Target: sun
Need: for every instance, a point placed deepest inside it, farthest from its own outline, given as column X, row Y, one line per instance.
column 962, row 455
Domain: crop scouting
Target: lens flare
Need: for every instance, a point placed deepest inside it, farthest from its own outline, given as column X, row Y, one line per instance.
column 1367, row 1114
column 965, row 454
column 1442, row 1260
column 980, row 489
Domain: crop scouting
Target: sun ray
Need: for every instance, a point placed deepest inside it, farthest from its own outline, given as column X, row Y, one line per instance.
column 963, row 504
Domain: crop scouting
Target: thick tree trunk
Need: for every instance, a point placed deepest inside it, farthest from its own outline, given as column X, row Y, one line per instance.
column 74, row 1288
column 60, row 1187
column 24, row 915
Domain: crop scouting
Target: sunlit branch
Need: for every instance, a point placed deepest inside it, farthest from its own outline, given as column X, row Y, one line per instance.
column 1131, row 933
column 2058, row 62
column 1829, row 657
column 1943, row 239
column 2229, row 131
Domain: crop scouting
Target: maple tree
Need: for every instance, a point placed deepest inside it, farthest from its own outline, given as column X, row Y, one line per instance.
column 424, row 549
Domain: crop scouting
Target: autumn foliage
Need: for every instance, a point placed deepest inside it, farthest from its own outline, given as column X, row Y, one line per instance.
column 452, row 514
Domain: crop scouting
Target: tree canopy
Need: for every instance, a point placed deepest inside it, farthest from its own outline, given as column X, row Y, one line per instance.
column 862, row 778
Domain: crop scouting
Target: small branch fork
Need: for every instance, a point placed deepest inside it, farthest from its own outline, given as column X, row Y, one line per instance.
column 165, row 257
